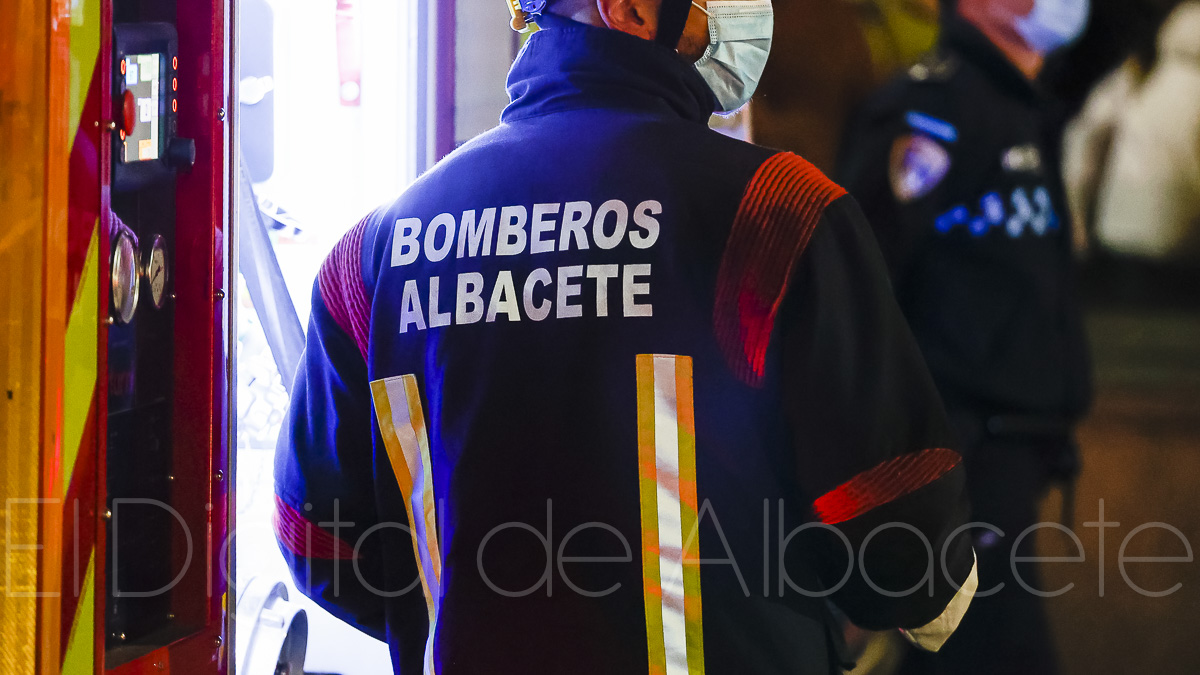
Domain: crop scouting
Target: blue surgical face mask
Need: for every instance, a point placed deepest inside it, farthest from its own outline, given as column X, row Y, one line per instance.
column 739, row 35
column 1054, row 23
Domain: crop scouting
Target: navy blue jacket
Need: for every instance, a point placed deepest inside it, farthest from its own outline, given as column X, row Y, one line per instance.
column 569, row 402
column 980, row 251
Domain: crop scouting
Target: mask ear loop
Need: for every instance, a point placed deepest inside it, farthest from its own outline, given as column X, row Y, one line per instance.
column 672, row 17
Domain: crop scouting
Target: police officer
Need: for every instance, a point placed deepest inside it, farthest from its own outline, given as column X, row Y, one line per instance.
column 608, row 392
column 952, row 165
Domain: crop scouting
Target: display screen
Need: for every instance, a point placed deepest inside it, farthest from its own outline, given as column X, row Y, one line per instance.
column 143, row 78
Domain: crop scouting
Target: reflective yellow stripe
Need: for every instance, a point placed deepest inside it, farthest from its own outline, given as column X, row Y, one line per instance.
column 647, row 477
column 670, row 545
column 82, row 645
column 402, row 424
column 688, row 509
column 85, row 49
column 81, row 340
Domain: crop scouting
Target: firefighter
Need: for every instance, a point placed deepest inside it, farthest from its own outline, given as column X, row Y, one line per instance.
column 608, row 392
column 953, row 167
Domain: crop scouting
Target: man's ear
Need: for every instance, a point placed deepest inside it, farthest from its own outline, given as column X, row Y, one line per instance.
column 636, row 17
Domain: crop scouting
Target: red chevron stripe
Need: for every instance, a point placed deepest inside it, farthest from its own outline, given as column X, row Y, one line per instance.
column 79, row 528
column 83, row 204
column 780, row 209
column 885, row 483
column 342, row 288
column 305, row 539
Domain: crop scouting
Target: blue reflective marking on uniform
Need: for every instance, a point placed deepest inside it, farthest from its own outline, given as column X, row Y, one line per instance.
column 993, row 208
column 1036, row 215
column 928, row 124
column 954, row 216
column 1041, row 197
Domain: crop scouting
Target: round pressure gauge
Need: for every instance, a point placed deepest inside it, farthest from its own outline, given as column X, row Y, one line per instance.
column 125, row 270
column 156, row 272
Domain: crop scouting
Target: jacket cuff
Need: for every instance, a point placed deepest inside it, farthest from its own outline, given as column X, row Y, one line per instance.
column 934, row 634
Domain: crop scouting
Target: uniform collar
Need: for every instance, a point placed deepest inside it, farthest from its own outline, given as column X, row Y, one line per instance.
column 573, row 66
column 969, row 43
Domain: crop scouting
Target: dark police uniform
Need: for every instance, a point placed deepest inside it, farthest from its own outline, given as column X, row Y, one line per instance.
column 566, row 402
column 952, row 167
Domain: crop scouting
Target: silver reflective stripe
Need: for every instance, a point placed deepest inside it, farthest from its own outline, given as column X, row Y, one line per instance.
column 670, row 520
column 934, row 634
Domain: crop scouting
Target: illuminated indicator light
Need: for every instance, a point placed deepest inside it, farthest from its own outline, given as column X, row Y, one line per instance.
column 174, row 84
column 174, row 106
column 122, row 66
column 122, row 134
column 129, row 112
column 175, row 63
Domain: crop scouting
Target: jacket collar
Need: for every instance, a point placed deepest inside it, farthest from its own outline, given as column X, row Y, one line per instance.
column 573, row 66
column 962, row 38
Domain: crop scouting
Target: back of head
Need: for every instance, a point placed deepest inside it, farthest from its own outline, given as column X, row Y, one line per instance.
column 1180, row 35
column 570, row 8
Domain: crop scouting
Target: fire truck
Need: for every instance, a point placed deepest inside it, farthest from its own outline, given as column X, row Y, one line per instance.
column 133, row 135
column 114, row 177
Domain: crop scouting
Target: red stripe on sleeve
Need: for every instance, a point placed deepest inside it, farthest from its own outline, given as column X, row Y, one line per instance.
column 885, row 483
column 343, row 290
column 781, row 207
column 305, row 539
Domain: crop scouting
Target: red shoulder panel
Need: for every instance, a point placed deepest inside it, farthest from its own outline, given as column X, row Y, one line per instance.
column 343, row 290
column 885, row 483
column 306, row 540
column 782, row 205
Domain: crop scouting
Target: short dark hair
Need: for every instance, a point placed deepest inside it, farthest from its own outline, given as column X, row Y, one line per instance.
column 553, row 6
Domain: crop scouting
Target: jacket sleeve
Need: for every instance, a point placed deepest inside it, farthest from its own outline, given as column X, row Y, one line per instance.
column 872, row 456
column 324, row 477
column 872, row 442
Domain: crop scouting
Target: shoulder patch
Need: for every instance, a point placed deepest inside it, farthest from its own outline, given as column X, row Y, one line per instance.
column 342, row 289
column 917, row 165
column 780, row 208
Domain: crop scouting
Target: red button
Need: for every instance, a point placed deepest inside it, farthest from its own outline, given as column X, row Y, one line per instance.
column 129, row 112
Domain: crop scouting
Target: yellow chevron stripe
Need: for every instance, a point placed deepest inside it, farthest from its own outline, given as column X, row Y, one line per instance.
column 81, row 648
column 81, row 346
column 85, row 49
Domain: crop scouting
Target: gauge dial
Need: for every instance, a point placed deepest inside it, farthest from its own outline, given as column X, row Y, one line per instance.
column 124, row 278
column 156, row 272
